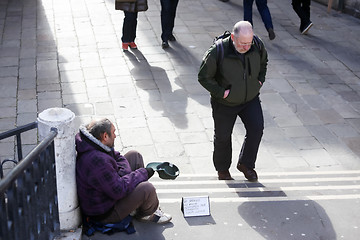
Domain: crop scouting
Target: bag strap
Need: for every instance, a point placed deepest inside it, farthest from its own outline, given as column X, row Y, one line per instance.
column 219, row 52
column 258, row 44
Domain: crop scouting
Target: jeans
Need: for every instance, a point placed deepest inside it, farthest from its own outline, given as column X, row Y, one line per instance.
column 144, row 198
column 224, row 117
column 129, row 27
column 168, row 13
column 263, row 10
column 302, row 9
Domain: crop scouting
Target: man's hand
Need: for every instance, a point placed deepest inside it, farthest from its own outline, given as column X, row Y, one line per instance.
column 226, row 93
column 150, row 172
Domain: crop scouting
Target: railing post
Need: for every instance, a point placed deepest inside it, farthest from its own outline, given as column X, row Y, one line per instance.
column 65, row 159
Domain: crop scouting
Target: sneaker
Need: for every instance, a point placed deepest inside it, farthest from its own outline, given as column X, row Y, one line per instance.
column 271, row 34
column 165, row 44
column 306, row 28
column 158, row 217
column 133, row 213
column 125, row 46
column 132, row 45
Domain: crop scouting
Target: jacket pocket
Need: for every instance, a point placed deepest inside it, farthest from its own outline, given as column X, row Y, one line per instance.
column 236, row 94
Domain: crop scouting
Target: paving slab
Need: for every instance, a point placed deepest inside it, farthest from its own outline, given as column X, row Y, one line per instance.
column 292, row 205
column 68, row 54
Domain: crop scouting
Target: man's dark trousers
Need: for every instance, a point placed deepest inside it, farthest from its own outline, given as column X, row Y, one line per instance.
column 168, row 13
column 224, row 117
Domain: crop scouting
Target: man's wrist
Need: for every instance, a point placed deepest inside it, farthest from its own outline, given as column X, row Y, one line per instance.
column 150, row 172
column 226, row 93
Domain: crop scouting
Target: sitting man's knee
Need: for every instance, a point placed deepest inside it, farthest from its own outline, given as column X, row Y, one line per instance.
column 146, row 187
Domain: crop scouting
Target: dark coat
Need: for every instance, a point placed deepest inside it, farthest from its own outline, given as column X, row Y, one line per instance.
column 244, row 79
column 137, row 6
column 103, row 176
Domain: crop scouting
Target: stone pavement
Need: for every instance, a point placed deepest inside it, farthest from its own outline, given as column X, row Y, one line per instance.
column 68, row 54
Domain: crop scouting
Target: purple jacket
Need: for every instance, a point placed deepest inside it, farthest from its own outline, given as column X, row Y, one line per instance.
column 103, row 176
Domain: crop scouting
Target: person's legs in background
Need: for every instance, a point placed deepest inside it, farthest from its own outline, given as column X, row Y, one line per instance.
column 168, row 13
column 173, row 7
column 302, row 9
column 296, row 4
column 305, row 6
column 306, row 9
column 247, row 4
column 264, row 12
column 129, row 30
column 266, row 17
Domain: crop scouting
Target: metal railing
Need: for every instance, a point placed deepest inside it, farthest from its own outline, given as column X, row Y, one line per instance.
column 16, row 132
column 28, row 194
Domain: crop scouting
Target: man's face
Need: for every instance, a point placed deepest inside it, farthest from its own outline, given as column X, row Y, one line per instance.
column 110, row 140
column 242, row 43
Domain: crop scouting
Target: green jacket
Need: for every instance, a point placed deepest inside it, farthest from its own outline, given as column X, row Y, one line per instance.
column 244, row 79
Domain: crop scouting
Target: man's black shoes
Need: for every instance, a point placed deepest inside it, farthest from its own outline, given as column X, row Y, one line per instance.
column 224, row 175
column 172, row 38
column 250, row 174
column 271, row 34
column 304, row 29
column 165, row 44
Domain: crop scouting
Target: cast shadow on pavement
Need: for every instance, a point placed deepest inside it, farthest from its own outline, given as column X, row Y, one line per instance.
column 144, row 231
column 147, row 231
column 187, row 62
column 162, row 97
column 200, row 221
column 285, row 219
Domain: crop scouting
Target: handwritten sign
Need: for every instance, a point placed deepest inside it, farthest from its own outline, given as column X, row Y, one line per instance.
column 195, row 206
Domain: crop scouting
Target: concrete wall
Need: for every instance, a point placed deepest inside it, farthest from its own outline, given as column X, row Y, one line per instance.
column 65, row 159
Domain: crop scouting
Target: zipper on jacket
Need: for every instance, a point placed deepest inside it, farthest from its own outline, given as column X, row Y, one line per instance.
column 249, row 67
column 245, row 79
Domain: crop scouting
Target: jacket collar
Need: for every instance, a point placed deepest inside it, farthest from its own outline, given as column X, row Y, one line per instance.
column 96, row 141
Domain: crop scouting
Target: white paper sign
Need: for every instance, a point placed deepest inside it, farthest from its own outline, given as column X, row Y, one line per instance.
column 195, row 206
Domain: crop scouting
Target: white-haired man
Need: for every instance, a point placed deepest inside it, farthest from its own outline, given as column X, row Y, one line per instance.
column 234, row 86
